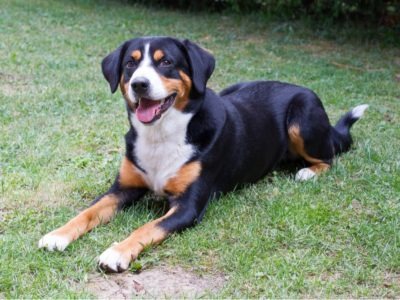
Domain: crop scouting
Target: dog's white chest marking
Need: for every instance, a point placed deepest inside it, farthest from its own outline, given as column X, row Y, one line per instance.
column 161, row 148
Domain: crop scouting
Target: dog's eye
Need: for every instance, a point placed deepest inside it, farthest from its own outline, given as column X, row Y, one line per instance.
column 165, row 62
column 131, row 64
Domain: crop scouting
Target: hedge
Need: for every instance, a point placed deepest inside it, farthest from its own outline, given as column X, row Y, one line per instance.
column 382, row 12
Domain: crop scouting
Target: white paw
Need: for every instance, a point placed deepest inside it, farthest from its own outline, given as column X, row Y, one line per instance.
column 52, row 241
column 305, row 174
column 114, row 260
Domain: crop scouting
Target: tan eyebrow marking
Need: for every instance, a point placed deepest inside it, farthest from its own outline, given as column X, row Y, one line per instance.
column 158, row 54
column 136, row 55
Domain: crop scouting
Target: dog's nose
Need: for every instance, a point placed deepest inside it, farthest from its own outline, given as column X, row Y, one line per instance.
column 140, row 85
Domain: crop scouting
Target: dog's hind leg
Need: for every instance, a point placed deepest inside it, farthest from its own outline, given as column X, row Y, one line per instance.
column 309, row 133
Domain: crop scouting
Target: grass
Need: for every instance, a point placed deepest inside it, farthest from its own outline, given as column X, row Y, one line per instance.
column 61, row 141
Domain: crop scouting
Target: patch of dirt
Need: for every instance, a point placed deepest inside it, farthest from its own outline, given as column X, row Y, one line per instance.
column 318, row 48
column 253, row 39
column 356, row 206
column 391, row 279
column 2, row 214
column 2, row 226
column 162, row 282
column 49, row 194
column 331, row 277
column 10, row 84
column 326, row 276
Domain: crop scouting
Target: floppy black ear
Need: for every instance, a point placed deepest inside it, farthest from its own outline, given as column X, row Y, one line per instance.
column 111, row 67
column 202, row 65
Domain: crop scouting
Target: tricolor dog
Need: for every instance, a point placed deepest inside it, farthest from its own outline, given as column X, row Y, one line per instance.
column 190, row 144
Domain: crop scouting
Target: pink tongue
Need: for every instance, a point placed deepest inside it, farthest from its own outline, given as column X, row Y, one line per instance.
column 147, row 109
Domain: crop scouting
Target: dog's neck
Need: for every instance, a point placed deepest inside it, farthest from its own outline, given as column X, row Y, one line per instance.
column 161, row 149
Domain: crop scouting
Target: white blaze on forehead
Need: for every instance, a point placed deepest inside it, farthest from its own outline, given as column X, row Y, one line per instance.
column 146, row 56
column 146, row 69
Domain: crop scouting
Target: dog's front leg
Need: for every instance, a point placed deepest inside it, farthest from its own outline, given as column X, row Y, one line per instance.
column 184, row 211
column 100, row 212
column 127, row 188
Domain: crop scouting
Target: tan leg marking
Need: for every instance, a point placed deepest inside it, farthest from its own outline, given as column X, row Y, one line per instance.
column 118, row 257
column 297, row 145
column 180, row 86
column 99, row 213
column 320, row 168
column 130, row 176
column 185, row 176
column 158, row 54
column 146, row 235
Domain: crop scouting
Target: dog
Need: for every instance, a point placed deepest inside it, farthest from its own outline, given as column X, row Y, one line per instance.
column 190, row 144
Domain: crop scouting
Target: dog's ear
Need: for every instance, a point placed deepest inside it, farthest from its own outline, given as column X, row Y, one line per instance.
column 111, row 67
column 202, row 65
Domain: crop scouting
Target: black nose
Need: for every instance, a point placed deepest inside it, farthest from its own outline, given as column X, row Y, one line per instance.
column 140, row 85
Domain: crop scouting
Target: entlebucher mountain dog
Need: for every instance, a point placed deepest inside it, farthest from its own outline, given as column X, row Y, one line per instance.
column 190, row 144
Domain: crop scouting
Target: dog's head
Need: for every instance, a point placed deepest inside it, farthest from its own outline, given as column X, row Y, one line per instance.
column 157, row 73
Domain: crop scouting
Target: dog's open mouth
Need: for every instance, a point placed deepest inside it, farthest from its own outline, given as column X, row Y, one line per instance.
column 149, row 110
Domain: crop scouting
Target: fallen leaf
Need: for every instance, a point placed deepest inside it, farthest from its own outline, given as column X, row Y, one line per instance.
column 138, row 287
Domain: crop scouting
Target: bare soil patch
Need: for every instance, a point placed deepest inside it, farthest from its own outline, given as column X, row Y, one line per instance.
column 162, row 282
column 319, row 47
column 391, row 279
column 2, row 214
column 2, row 226
column 10, row 84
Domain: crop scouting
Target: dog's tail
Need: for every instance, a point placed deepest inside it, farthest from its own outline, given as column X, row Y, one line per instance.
column 341, row 132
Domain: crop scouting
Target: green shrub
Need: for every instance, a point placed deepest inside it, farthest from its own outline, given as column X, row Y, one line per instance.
column 383, row 12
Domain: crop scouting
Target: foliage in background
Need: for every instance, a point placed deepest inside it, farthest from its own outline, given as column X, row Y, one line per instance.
column 382, row 12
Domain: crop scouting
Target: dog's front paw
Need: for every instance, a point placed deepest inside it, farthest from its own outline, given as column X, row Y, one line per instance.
column 114, row 260
column 53, row 241
column 305, row 174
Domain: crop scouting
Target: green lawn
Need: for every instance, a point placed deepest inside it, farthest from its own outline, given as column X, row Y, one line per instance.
column 61, row 142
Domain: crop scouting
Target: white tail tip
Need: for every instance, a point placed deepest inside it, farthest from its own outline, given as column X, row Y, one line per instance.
column 358, row 111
